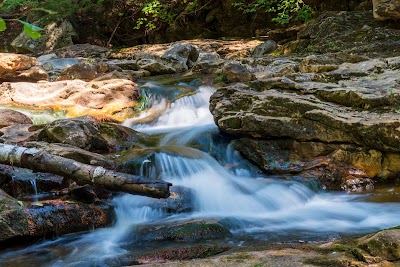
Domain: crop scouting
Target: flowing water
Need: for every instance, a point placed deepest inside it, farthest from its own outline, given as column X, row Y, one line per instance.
column 193, row 154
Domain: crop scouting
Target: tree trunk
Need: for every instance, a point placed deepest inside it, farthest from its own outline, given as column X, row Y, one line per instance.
column 37, row 160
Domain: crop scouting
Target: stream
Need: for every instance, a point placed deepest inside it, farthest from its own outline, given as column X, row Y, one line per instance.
column 193, row 153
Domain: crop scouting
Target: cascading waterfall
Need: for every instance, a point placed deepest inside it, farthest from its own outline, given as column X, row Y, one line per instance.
column 224, row 186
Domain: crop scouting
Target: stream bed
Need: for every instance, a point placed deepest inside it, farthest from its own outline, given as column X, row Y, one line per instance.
column 192, row 153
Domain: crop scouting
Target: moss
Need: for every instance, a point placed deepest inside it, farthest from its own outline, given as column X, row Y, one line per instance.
column 240, row 256
column 325, row 262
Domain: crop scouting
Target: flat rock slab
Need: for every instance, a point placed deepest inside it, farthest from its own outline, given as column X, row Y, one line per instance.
column 111, row 99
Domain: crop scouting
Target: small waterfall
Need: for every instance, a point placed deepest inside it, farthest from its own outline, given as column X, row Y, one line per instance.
column 35, row 191
column 141, row 172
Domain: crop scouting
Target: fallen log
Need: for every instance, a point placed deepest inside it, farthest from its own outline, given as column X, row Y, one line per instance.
column 37, row 160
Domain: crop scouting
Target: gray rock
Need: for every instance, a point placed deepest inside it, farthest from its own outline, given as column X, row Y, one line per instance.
column 185, row 55
column 155, row 67
column 267, row 47
column 237, row 72
column 187, row 231
column 209, row 56
column 54, row 35
column 59, row 64
column 179, row 201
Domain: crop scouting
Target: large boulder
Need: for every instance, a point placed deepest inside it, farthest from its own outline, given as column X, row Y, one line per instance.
column 386, row 9
column 106, row 100
column 343, row 132
column 55, row 35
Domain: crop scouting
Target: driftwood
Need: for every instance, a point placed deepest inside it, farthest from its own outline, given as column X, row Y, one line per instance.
column 38, row 160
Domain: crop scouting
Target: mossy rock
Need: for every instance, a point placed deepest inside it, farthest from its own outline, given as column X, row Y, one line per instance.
column 384, row 244
column 186, row 231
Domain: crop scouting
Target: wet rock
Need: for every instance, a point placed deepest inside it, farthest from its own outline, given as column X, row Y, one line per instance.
column 12, row 64
column 58, row 64
column 236, row 72
column 13, row 221
column 386, row 9
column 183, row 55
column 10, row 117
column 314, row 160
column 180, row 200
column 20, row 182
column 187, row 231
column 84, row 194
column 384, row 244
column 54, row 35
column 49, row 218
column 56, row 217
column 267, row 47
column 105, row 100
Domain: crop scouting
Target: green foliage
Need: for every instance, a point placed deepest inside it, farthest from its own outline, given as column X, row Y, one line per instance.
column 43, row 11
column 284, row 10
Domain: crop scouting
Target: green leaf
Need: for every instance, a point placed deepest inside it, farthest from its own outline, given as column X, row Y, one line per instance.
column 20, row 203
column 31, row 33
column 30, row 26
column 3, row 26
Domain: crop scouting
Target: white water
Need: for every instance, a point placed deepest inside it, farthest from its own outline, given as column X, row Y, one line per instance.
column 223, row 188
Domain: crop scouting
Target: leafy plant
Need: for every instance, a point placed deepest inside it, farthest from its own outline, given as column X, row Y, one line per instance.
column 29, row 29
column 284, row 10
